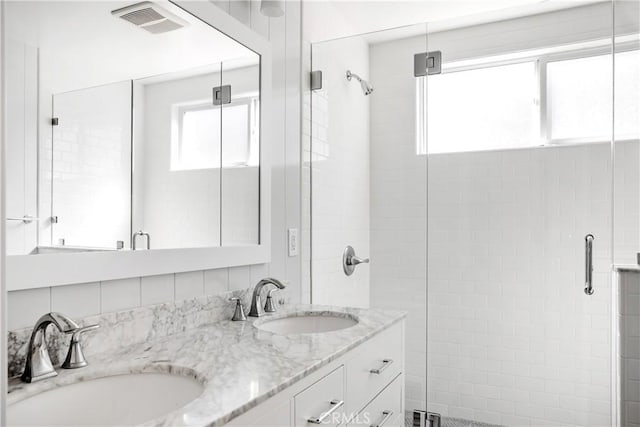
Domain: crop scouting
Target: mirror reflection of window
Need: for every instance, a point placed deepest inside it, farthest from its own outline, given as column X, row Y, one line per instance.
column 198, row 144
column 196, row 141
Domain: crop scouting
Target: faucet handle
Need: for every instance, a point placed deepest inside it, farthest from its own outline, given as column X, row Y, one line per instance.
column 75, row 357
column 269, row 306
column 238, row 315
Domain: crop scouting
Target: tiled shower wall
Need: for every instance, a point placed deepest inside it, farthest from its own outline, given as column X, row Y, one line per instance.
column 512, row 338
column 339, row 178
column 24, row 307
column 399, row 206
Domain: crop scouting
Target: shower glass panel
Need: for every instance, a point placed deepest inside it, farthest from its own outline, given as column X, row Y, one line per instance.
column 626, row 192
column 90, row 163
column 519, row 147
column 365, row 186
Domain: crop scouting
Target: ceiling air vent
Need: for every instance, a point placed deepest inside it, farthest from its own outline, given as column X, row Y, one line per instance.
column 150, row 17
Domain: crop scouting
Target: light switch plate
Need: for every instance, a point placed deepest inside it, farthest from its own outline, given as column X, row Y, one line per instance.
column 292, row 234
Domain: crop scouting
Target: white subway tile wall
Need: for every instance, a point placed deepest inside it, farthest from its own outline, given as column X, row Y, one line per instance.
column 398, row 212
column 340, row 173
column 26, row 307
column 509, row 323
column 239, row 277
column 189, row 285
column 157, row 289
column 76, row 300
column 118, row 295
column 216, row 281
column 91, row 165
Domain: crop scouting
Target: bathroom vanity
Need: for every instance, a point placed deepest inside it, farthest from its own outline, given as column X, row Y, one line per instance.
column 364, row 386
column 348, row 369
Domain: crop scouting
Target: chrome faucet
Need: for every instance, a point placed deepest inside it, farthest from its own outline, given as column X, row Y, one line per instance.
column 39, row 366
column 256, row 302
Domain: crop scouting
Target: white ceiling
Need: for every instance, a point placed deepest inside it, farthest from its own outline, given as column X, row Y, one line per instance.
column 82, row 45
column 331, row 19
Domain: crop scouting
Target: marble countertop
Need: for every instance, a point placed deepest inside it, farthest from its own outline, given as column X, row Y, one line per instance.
column 239, row 365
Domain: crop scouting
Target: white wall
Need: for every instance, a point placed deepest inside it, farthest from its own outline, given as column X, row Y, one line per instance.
column 3, row 293
column 109, row 296
column 21, row 145
column 340, row 173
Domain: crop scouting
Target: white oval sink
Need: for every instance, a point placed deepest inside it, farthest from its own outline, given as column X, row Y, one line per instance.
column 306, row 324
column 120, row 400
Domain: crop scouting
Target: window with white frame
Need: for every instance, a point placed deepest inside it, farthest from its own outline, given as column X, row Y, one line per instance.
column 199, row 128
column 498, row 104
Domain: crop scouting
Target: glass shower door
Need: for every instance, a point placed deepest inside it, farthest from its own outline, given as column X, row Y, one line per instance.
column 626, row 358
column 366, row 187
column 518, row 139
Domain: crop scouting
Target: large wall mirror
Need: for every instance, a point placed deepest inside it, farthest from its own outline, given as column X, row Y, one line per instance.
column 138, row 127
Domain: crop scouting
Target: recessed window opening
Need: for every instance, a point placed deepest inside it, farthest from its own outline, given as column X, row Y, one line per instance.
column 525, row 101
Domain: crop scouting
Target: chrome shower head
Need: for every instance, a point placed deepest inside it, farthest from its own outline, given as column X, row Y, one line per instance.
column 366, row 87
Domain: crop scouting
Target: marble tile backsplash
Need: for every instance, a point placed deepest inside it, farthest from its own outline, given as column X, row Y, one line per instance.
column 132, row 326
column 86, row 299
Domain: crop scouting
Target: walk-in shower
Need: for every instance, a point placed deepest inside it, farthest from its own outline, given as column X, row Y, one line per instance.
column 472, row 192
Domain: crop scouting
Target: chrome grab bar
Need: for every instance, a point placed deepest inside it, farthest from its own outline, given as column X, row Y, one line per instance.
column 27, row 219
column 386, row 415
column 385, row 364
column 588, row 261
column 335, row 404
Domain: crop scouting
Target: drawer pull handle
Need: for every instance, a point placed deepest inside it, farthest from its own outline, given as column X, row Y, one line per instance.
column 335, row 404
column 385, row 364
column 386, row 415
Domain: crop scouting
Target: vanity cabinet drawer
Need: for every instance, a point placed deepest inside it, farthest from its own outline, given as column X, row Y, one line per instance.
column 375, row 364
column 385, row 410
column 316, row 401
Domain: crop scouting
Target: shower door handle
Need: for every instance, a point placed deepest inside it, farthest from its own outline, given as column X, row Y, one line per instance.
column 588, row 261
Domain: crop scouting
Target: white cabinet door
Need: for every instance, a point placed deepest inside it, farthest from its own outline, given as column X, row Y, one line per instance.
column 378, row 361
column 385, row 410
column 322, row 401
